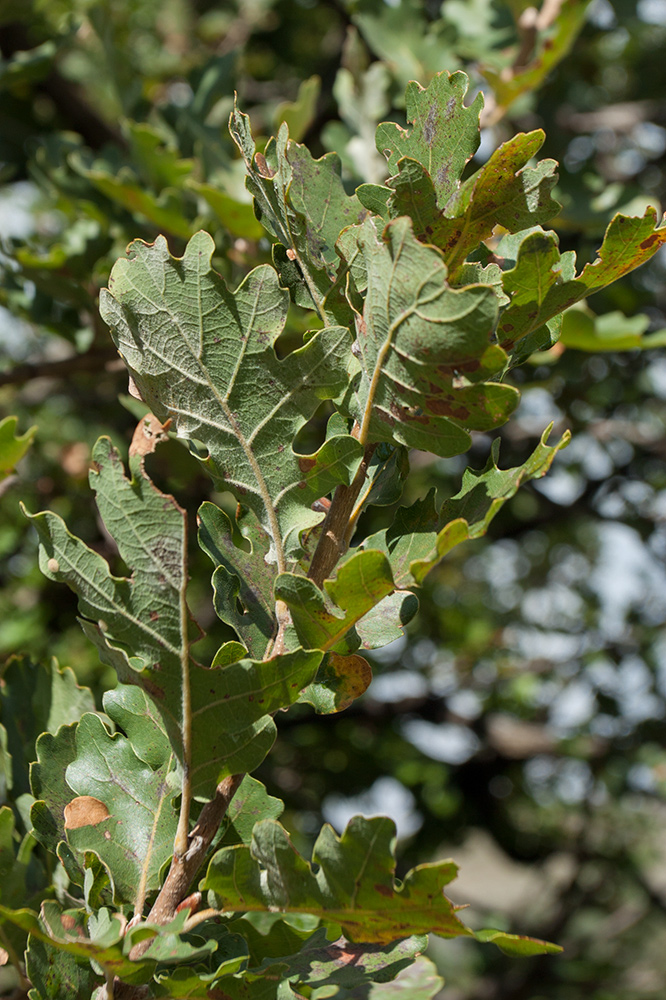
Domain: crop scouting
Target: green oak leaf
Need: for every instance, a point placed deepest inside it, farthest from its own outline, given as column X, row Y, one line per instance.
column 320, row 962
column 419, row 981
column 303, row 204
column 420, row 536
column 517, row 945
column 402, row 35
column 236, row 216
column 12, row 445
column 204, row 357
column 583, row 330
column 387, row 471
column 352, row 884
column 340, row 680
column 242, row 574
column 231, row 706
column 543, row 282
column 550, row 48
column 158, row 163
column 52, row 793
column 36, row 698
column 250, row 804
column 16, row 884
column 504, row 191
column 135, row 839
column 141, row 626
column 56, row 973
column 135, row 713
column 104, row 943
column 388, row 619
column 167, row 210
column 417, row 340
column 444, row 136
column 359, row 586
column 299, row 114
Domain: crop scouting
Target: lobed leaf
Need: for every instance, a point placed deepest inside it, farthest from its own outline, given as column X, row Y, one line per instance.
column 303, row 204
column 444, row 136
column 36, row 698
column 420, row 536
column 543, row 282
column 418, row 339
column 349, row 884
column 204, row 358
column 135, row 713
column 353, row 886
column 133, row 833
column 504, row 191
column 141, row 626
column 359, row 586
column 241, row 574
column 52, row 793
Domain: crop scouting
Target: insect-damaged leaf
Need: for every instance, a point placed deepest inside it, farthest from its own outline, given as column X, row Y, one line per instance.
column 503, row 192
column 354, row 885
column 543, row 282
column 419, row 537
column 444, row 134
column 204, row 357
column 142, row 626
column 350, row 884
column 422, row 347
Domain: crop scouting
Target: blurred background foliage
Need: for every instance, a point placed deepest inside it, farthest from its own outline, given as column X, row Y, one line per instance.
column 520, row 725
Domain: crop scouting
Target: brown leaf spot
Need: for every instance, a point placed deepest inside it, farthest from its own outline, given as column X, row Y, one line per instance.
column 148, row 434
column 650, row 241
column 302, row 485
column 84, row 811
column 68, row 922
column 384, row 890
column 305, row 464
column 442, row 174
column 447, row 407
column 264, row 169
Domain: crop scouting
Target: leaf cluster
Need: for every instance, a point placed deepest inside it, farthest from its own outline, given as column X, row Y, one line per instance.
column 419, row 315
